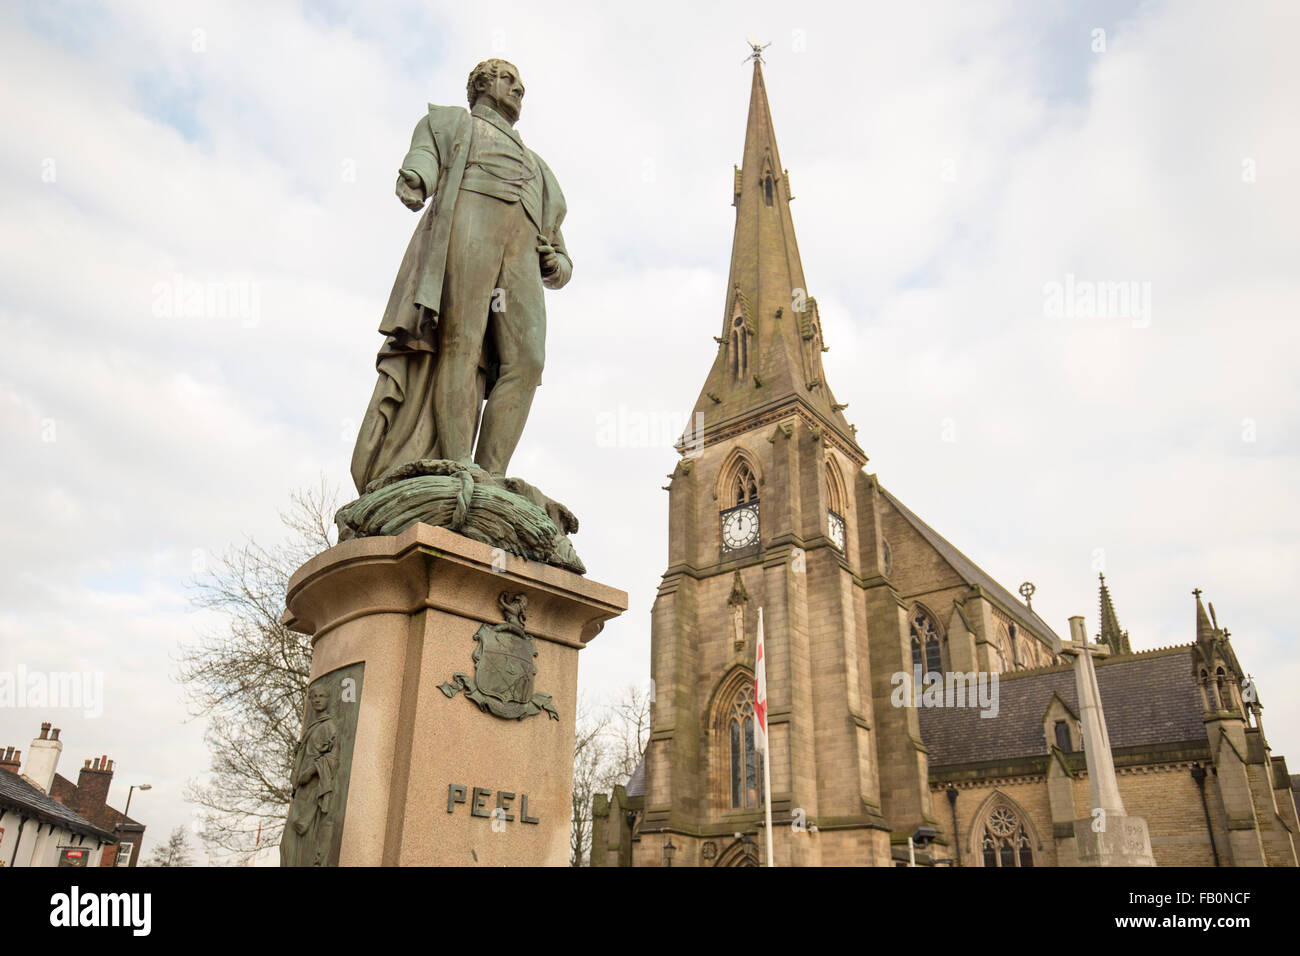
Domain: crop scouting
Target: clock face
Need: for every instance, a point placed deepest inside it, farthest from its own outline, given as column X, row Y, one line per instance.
column 837, row 530
column 740, row 528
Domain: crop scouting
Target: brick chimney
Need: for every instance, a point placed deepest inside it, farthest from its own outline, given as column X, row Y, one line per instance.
column 43, row 757
column 11, row 759
column 92, row 786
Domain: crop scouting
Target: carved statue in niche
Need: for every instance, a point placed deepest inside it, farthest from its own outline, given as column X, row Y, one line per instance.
column 309, row 831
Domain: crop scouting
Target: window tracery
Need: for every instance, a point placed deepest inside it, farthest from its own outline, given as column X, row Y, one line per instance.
column 744, row 489
column 1004, row 840
column 927, row 642
column 746, row 761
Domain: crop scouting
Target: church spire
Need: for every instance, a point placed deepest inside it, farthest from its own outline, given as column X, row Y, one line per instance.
column 1110, row 632
column 1205, row 633
column 769, row 352
column 1213, row 641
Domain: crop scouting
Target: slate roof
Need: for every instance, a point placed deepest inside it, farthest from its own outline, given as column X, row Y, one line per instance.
column 972, row 573
column 1147, row 699
column 636, row 782
column 17, row 794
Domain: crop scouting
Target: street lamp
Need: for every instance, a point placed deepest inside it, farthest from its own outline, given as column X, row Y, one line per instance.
column 669, row 849
column 125, row 813
column 134, row 787
column 923, row 837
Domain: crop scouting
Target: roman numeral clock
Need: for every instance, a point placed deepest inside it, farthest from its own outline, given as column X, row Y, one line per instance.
column 740, row 527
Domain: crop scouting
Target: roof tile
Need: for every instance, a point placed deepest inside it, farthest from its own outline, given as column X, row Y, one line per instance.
column 1146, row 700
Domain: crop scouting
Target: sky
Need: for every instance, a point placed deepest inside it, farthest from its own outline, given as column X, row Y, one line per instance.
column 966, row 176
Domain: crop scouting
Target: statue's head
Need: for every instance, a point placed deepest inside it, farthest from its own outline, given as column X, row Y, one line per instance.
column 497, row 84
column 320, row 698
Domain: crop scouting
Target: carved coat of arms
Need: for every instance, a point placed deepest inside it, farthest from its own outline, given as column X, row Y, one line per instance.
column 503, row 667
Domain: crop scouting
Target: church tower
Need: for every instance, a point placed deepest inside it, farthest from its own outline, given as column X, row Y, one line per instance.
column 770, row 507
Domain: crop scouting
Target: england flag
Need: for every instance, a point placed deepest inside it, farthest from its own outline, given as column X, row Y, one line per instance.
column 760, row 693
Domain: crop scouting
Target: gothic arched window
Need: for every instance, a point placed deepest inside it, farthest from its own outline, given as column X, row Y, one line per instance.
column 1002, row 659
column 1004, row 840
column 738, row 495
column 835, row 501
column 746, row 762
column 927, row 642
column 744, row 489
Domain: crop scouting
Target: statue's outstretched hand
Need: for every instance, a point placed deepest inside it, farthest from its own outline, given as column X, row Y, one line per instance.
column 409, row 189
column 546, row 256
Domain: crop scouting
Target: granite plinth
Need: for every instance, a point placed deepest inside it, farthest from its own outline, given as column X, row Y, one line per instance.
column 435, row 779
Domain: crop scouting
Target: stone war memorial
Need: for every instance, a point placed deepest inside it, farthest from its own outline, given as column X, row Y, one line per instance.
column 446, row 624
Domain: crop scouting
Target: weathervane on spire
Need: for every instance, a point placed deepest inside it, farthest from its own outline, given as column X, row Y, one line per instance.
column 756, row 49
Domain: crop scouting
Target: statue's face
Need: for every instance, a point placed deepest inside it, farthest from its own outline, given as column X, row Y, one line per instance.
column 319, row 698
column 505, row 94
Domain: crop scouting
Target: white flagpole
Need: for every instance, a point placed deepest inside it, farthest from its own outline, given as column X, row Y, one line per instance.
column 760, row 679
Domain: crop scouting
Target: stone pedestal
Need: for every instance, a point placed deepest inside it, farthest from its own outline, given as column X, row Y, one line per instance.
column 1124, row 842
column 433, row 779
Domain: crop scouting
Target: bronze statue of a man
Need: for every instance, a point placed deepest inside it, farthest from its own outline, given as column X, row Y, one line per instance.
column 466, row 320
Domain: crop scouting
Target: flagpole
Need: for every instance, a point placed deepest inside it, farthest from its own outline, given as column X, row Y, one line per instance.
column 767, row 763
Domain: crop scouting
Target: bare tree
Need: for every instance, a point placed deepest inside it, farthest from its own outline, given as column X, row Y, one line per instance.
column 589, row 759
column 629, row 729
column 608, row 745
column 175, row 852
column 249, row 679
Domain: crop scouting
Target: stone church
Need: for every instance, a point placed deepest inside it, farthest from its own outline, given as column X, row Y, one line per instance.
column 771, row 506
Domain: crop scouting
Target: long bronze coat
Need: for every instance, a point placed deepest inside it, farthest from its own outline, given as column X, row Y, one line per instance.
column 398, row 426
